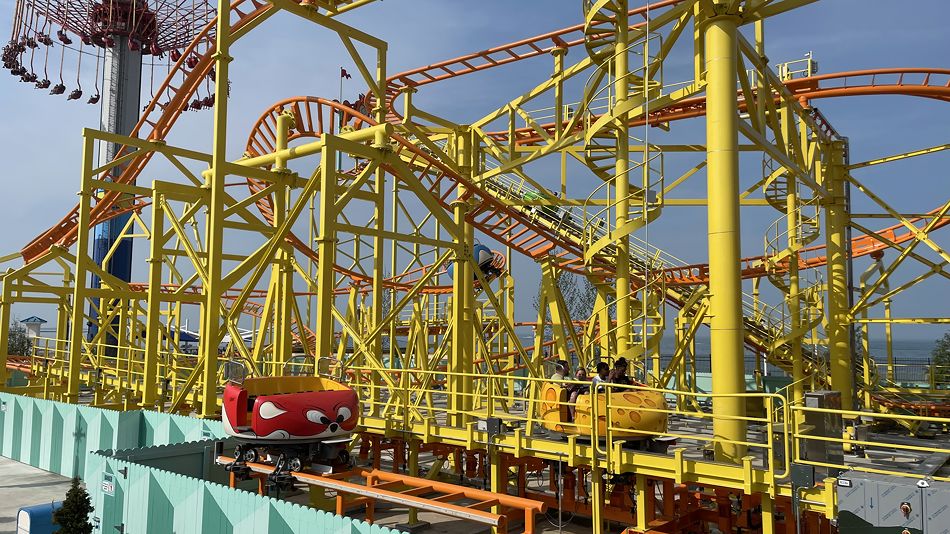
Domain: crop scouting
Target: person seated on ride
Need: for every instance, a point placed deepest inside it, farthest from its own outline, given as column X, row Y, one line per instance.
column 534, row 196
column 580, row 376
column 618, row 375
column 531, row 196
column 561, row 370
column 602, row 376
column 576, row 390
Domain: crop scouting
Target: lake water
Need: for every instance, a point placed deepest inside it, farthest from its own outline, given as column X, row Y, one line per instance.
column 911, row 356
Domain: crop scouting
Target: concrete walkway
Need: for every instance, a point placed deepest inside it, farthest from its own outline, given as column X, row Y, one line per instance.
column 22, row 485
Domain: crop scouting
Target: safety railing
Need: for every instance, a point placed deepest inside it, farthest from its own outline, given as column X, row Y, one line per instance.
column 790, row 70
column 608, row 414
column 804, row 231
column 917, row 374
column 797, row 68
column 117, row 360
column 121, row 366
column 432, row 309
column 603, row 99
column 880, row 453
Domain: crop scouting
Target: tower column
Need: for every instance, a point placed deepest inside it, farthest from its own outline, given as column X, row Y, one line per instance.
column 725, row 286
column 120, row 110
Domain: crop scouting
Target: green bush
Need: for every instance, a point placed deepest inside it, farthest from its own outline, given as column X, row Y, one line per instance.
column 940, row 361
column 18, row 342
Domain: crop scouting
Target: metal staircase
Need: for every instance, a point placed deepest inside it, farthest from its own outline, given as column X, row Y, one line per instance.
column 611, row 217
column 786, row 239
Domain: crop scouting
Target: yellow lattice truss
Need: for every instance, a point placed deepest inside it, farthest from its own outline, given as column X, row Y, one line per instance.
column 352, row 251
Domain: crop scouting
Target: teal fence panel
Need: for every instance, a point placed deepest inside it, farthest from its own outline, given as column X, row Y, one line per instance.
column 149, row 472
column 139, row 498
column 58, row 437
column 193, row 459
column 160, row 428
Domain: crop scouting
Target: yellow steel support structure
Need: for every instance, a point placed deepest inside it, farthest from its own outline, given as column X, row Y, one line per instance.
column 76, row 352
column 153, row 329
column 839, row 320
column 326, row 249
column 213, row 288
column 281, row 286
column 794, row 294
column 393, row 195
column 725, row 290
column 461, row 357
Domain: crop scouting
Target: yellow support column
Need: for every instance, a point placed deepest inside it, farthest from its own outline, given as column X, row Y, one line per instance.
column 379, row 275
column 889, row 343
column 413, row 523
column 622, row 187
column 768, row 510
column 865, row 332
column 839, row 320
column 605, row 322
column 794, row 298
column 282, row 273
column 596, row 498
column 642, row 496
column 381, row 143
column 499, row 476
column 4, row 331
column 153, row 333
column 508, row 285
column 211, row 309
column 63, row 311
column 82, row 253
column 461, row 358
column 326, row 250
column 725, row 287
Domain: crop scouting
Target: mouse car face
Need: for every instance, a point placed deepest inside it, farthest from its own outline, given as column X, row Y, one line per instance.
column 309, row 415
column 292, row 416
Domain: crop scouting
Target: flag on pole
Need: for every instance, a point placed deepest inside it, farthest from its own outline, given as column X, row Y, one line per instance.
column 344, row 74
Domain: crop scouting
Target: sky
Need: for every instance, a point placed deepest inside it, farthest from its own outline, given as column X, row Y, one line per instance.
column 40, row 135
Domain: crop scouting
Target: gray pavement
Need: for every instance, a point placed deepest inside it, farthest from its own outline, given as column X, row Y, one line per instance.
column 23, row 485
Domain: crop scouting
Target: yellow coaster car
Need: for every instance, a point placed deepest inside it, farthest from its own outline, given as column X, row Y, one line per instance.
column 632, row 414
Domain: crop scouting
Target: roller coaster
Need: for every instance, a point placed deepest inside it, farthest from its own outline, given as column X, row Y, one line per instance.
column 371, row 243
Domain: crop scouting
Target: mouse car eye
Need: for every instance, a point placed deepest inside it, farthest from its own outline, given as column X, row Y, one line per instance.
column 316, row 416
column 343, row 414
column 269, row 410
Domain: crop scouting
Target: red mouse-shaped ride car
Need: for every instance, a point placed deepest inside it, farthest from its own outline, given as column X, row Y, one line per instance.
column 289, row 409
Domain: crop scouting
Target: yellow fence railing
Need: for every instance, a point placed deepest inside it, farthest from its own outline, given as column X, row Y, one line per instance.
column 610, row 416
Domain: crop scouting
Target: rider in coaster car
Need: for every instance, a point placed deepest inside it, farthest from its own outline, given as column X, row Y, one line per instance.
column 618, row 375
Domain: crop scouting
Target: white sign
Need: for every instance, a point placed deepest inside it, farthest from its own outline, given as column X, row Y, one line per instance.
column 108, row 486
